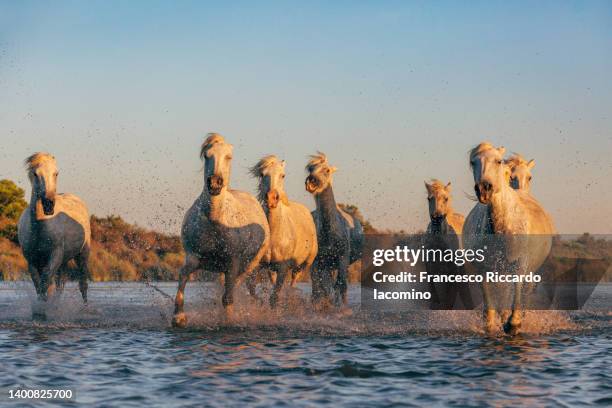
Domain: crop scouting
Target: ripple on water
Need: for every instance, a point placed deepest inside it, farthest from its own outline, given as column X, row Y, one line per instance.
column 122, row 351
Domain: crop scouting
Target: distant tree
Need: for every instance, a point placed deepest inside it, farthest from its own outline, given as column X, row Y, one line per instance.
column 368, row 228
column 12, row 202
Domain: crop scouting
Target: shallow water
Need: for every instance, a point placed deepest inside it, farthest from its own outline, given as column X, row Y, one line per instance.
column 121, row 351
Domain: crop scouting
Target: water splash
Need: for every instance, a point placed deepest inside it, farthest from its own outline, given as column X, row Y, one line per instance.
column 150, row 305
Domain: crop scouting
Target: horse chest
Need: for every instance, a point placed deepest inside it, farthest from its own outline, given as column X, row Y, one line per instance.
column 60, row 233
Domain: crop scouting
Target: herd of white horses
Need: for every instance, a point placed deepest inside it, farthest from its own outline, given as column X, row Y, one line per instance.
column 236, row 234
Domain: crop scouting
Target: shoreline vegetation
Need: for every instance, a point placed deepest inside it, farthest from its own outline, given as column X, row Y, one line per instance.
column 127, row 252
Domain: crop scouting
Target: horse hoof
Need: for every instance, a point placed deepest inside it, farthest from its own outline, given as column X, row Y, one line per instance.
column 179, row 320
column 512, row 329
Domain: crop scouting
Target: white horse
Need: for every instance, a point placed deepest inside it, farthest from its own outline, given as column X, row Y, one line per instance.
column 520, row 172
column 443, row 219
column 522, row 226
column 53, row 230
column 444, row 232
column 339, row 234
column 293, row 236
column 224, row 231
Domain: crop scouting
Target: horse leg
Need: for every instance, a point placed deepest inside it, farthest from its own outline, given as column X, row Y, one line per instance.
column 46, row 284
column 341, row 285
column 231, row 277
column 191, row 265
column 47, row 277
column 489, row 310
column 83, row 264
column 283, row 270
column 60, row 280
column 251, row 283
column 295, row 274
column 513, row 324
column 315, row 279
column 35, row 277
column 321, row 284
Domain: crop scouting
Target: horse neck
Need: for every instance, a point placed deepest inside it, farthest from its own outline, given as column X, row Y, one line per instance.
column 212, row 206
column 501, row 209
column 327, row 208
column 35, row 208
column 277, row 217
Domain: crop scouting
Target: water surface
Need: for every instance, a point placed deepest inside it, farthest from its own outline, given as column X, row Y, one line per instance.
column 122, row 351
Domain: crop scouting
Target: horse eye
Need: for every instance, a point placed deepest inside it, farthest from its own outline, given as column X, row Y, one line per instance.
column 499, row 162
column 446, row 200
column 282, row 176
column 228, row 157
column 529, row 178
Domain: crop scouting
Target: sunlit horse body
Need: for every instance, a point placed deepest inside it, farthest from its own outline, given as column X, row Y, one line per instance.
column 520, row 172
column 224, row 231
column 293, row 236
column 339, row 234
column 522, row 228
column 53, row 230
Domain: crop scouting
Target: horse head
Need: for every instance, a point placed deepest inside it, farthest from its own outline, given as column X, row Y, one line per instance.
column 42, row 172
column 488, row 169
column 439, row 198
column 520, row 172
column 271, row 173
column 319, row 174
column 217, row 156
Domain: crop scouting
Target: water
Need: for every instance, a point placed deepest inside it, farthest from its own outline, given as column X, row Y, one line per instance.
column 121, row 351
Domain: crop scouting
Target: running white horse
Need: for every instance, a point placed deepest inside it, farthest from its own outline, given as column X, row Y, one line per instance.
column 522, row 226
column 339, row 234
column 53, row 230
column 293, row 236
column 443, row 219
column 224, row 231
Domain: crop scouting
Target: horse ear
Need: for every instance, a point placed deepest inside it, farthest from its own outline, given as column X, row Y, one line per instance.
column 333, row 169
column 427, row 187
column 448, row 186
column 531, row 164
column 502, row 150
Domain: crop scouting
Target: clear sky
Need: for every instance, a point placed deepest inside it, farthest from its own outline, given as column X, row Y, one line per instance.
column 124, row 92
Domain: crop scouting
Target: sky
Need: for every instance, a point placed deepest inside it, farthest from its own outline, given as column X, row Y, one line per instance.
column 123, row 94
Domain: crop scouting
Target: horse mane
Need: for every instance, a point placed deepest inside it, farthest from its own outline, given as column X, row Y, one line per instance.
column 210, row 141
column 257, row 171
column 480, row 148
column 515, row 160
column 34, row 161
column 436, row 185
column 315, row 161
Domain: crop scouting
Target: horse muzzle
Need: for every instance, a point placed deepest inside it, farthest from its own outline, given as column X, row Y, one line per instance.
column 214, row 184
column 484, row 191
column 437, row 218
column 272, row 199
column 311, row 184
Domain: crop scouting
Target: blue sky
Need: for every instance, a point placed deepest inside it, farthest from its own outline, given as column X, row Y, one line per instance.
column 394, row 92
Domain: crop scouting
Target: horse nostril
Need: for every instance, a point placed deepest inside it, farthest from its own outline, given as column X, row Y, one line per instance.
column 215, row 182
